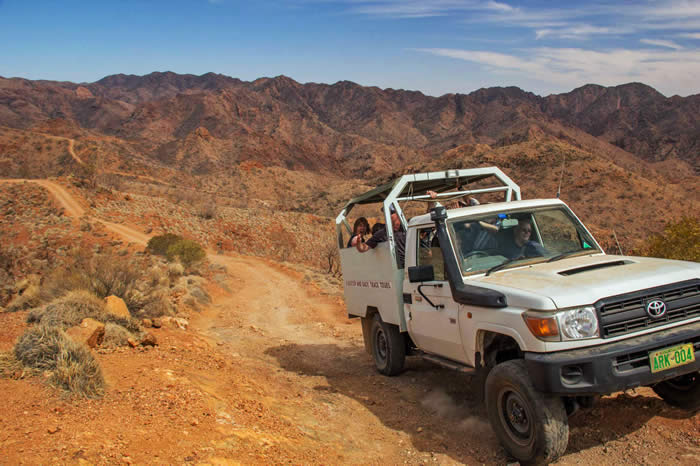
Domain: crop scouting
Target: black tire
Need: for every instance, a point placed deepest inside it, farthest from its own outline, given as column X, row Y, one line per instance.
column 388, row 347
column 532, row 426
column 681, row 392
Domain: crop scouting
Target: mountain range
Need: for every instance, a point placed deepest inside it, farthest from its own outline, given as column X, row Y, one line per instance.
column 212, row 132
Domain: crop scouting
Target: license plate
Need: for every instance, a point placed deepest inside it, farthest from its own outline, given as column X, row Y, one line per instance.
column 668, row 358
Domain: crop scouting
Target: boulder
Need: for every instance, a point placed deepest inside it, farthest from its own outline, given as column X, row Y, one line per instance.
column 149, row 340
column 147, row 323
column 116, row 306
column 90, row 332
column 157, row 323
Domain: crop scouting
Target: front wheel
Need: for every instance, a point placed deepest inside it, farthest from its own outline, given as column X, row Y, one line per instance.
column 682, row 392
column 388, row 347
column 531, row 425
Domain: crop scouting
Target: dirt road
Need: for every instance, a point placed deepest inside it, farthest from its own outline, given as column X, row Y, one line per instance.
column 273, row 372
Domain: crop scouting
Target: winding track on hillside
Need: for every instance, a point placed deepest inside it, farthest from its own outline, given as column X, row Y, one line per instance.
column 310, row 359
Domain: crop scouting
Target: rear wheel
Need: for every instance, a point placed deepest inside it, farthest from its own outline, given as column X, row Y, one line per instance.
column 531, row 425
column 682, row 392
column 388, row 347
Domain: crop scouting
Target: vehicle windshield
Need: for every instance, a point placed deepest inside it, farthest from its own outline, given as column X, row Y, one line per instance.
column 495, row 241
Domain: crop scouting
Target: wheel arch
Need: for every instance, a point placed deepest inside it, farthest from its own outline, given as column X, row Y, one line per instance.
column 497, row 345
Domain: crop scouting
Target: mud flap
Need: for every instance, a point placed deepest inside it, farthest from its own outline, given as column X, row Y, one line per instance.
column 367, row 332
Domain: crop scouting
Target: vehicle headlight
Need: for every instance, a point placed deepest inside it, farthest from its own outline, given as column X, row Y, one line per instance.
column 577, row 324
column 570, row 324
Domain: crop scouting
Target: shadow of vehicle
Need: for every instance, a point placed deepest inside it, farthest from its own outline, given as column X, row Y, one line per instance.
column 615, row 416
column 435, row 406
column 438, row 407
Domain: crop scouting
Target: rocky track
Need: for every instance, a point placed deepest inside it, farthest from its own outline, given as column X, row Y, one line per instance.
column 274, row 372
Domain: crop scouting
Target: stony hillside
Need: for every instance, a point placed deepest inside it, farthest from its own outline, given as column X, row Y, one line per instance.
column 279, row 145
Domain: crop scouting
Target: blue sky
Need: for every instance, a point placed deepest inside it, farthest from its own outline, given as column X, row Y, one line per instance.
column 434, row 46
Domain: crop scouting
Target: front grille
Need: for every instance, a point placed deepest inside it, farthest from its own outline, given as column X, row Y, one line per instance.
column 631, row 361
column 619, row 315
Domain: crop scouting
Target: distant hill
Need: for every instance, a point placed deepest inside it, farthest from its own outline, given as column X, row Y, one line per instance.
column 291, row 146
column 358, row 128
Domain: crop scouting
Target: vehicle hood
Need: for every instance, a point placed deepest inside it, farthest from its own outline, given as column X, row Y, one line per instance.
column 584, row 280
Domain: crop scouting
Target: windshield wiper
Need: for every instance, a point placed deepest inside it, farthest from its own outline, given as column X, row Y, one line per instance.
column 567, row 254
column 503, row 264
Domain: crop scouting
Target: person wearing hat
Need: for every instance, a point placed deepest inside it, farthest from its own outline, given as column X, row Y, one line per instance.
column 381, row 236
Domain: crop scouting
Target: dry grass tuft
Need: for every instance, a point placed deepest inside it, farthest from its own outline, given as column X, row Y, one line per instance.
column 73, row 367
column 75, row 306
column 175, row 270
column 31, row 297
column 116, row 335
column 77, row 371
column 9, row 365
column 103, row 275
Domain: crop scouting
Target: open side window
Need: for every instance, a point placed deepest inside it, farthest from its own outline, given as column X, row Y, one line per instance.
column 429, row 253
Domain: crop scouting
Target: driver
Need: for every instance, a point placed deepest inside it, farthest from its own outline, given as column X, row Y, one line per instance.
column 515, row 242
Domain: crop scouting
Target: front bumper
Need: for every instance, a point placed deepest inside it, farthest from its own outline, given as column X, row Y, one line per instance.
column 610, row 367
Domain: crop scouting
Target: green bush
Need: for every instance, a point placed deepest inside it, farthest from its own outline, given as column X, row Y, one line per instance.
column 175, row 247
column 679, row 240
column 187, row 251
column 160, row 244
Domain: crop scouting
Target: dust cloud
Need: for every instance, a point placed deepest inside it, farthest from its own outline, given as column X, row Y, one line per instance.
column 444, row 406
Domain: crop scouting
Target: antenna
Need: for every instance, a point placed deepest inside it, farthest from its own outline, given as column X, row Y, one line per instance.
column 561, row 176
column 618, row 243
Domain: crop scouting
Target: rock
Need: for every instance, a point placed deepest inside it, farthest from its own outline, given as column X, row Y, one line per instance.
column 147, row 323
column 90, row 332
column 133, row 343
column 53, row 430
column 116, row 306
column 157, row 323
column 177, row 322
column 149, row 340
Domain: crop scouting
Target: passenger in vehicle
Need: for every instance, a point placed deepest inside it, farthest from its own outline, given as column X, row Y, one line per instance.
column 377, row 226
column 515, row 242
column 381, row 236
column 359, row 230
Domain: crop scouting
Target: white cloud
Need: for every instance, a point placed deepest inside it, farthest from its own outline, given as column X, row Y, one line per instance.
column 567, row 68
column 691, row 35
column 662, row 43
column 581, row 31
column 499, row 6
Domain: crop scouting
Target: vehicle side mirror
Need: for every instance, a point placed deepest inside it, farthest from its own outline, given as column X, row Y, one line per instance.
column 421, row 273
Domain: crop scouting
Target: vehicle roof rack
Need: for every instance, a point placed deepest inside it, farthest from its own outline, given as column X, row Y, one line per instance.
column 413, row 187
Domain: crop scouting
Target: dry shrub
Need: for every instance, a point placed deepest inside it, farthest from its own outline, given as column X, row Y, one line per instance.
column 9, row 365
column 75, row 306
column 175, row 270
column 116, row 335
column 72, row 366
column 103, row 275
column 31, row 297
column 159, row 305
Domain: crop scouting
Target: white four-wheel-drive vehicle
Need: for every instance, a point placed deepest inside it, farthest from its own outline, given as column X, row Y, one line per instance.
column 520, row 293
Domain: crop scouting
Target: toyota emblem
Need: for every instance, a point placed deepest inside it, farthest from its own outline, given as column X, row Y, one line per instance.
column 656, row 308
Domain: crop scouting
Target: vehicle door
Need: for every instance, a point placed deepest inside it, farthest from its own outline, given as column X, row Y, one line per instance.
column 433, row 315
